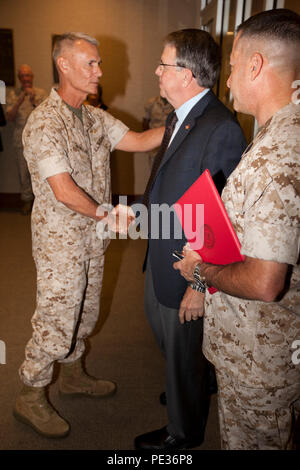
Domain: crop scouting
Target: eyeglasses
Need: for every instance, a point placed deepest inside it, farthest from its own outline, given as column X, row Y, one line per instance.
column 161, row 64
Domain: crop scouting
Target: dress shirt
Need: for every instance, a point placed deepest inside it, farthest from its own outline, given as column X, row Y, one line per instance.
column 184, row 110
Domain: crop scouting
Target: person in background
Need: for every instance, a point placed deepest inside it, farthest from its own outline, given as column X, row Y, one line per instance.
column 157, row 110
column 20, row 102
column 95, row 99
column 252, row 324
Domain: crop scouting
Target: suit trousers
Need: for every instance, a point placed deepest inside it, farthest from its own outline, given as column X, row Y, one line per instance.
column 67, row 309
column 187, row 369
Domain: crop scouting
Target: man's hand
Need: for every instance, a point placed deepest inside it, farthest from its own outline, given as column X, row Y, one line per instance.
column 120, row 218
column 21, row 97
column 12, row 112
column 187, row 265
column 30, row 92
column 192, row 305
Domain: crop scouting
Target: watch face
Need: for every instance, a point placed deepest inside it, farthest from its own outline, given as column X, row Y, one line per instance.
column 198, row 286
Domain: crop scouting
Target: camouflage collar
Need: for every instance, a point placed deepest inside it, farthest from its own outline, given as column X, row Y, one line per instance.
column 88, row 120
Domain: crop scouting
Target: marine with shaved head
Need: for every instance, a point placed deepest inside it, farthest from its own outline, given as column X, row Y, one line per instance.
column 252, row 324
column 67, row 146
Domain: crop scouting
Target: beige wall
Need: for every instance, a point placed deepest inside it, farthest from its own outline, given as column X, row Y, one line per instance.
column 293, row 5
column 130, row 34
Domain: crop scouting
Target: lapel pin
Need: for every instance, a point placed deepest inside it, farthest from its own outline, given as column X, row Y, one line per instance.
column 187, row 127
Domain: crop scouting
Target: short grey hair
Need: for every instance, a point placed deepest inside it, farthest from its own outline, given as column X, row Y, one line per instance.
column 68, row 39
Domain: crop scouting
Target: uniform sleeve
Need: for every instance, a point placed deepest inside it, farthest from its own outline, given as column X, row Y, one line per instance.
column 148, row 108
column 11, row 99
column 114, row 128
column 272, row 219
column 45, row 145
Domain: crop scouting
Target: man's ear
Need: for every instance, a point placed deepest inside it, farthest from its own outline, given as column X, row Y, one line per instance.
column 187, row 77
column 256, row 64
column 62, row 64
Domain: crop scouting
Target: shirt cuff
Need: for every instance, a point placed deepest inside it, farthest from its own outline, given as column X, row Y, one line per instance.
column 117, row 135
column 53, row 166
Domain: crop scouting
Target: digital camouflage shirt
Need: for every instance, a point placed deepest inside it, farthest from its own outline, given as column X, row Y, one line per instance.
column 252, row 340
column 156, row 111
column 24, row 110
column 56, row 141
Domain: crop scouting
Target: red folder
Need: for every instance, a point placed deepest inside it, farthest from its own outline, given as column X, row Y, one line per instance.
column 206, row 224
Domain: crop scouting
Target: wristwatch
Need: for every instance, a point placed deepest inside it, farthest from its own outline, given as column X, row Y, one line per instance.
column 197, row 275
column 198, row 286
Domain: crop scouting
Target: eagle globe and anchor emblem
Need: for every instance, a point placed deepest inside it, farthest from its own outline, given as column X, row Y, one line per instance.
column 209, row 238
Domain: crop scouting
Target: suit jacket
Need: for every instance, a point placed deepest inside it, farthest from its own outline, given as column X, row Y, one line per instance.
column 210, row 137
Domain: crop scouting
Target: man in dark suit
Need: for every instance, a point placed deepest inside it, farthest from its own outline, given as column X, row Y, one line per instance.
column 206, row 135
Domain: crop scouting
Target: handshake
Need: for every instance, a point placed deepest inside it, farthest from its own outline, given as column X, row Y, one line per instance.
column 113, row 220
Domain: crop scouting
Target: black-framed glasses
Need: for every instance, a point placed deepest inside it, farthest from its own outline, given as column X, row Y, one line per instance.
column 162, row 64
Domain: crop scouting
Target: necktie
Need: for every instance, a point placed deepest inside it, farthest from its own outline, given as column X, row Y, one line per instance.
column 171, row 122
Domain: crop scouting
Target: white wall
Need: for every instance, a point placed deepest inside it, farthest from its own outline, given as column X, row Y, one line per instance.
column 130, row 34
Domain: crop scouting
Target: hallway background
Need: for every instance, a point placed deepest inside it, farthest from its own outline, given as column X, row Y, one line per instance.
column 130, row 33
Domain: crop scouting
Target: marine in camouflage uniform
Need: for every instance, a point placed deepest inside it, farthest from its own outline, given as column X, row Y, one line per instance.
column 67, row 147
column 68, row 255
column 251, row 342
column 156, row 111
column 26, row 107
